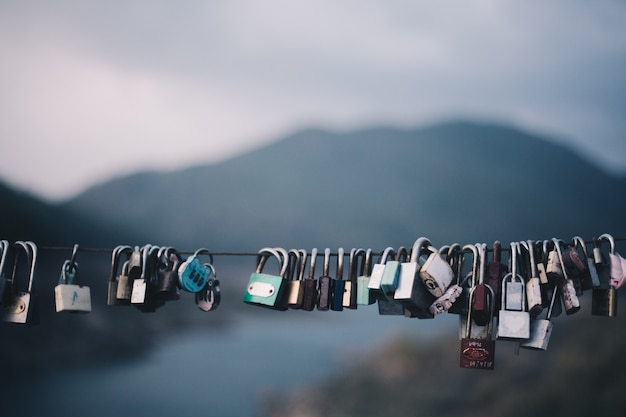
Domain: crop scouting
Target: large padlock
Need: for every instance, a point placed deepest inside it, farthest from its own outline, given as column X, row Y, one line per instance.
column 267, row 290
column 412, row 292
column 364, row 295
column 337, row 284
column 193, row 274
column 478, row 353
column 309, row 296
column 533, row 283
column 69, row 295
column 21, row 306
column 208, row 298
column 377, row 272
column 295, row 274
column 387, row 304
column 350, row 291
column 112, row 282
column 566, row 286
column 324, row 284
column 540, row 329
column 513, row 319
column 604, row 300
column 436, row 273
column 4, row 251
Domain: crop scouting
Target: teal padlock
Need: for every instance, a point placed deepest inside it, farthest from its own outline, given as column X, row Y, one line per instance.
column 391, row 273
column 363, row 293
column 266, row 290
column 193, row 275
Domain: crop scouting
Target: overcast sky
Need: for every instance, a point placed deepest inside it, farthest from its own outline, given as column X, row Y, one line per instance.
column 90, row 90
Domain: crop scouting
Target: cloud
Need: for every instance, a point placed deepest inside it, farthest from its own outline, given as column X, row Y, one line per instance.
column 122, row 86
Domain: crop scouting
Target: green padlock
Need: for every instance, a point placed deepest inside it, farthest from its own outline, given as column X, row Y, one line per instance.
column 266, row 290
column 363, row 294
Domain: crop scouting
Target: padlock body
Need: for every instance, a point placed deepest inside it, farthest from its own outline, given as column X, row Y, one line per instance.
column 364, row 295
column 437, row 274
column 477, row 353
column 412, row 293
column 571, row 302
column 533, row 295
column 604, row 302
column 309, row 297
column 514, row 299
column 21, row 308
column 266, row 290
column 389, row 279
column 387, row 306
column 540, row 331
column 324, row 293
column 72, row 298
column 513, row 325
column 376, row 277
column 124, row 290
column 193, row 275
column 295, row 291
column 350, row 297
column 337, row 291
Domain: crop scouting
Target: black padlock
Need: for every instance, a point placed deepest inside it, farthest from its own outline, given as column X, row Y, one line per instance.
column 309, row 298
column 168, row 260
column 338, row 284
column 323, row 284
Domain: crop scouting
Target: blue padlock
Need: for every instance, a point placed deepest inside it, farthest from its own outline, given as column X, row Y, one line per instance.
column 193, row 275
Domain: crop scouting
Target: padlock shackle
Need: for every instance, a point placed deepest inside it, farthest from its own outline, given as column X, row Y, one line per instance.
column 388, row 252
column 302, row 262
column 529, row 245
column 417, row 248
column 339, row 270
column 326, row 267
column 115, row 259
column 481, row 248
column 491, row 296
column 206, row 252
column 294, row 261
column 402, row 254
column 472, row 248
column 555, row 292
column 4, row 247
column 266, row 252
column 353, row 263
column 606, row 236
column 67, row 269
column 557, row 247
column 579, row 241
column 30, row 250
column 367, row 263
column 312, row 264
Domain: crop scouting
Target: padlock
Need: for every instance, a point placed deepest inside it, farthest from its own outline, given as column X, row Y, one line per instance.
column 513, row 319
column 378, row 270
column 478, row 353
column 411, row 291
column 447, row 300
column 466, row 281
column 208, row 298
column 575, row 266
column 125, row 280
column 69, row 295
column 144, row 295
column 168, row 261
column 617, row 264
column 589, row 278
column 571, row 303
column 604, row 300
column 295, row 273
column 4, row 251
column 266, row 290
column 533, row 283
column 112, row 282
column 548, row 284
column 309, row 296
column 481, row 313
column 436, row 273
column 540, row 329
column 350, row 290
column 193, row 274
column 495, row 271
column 387, row 304
column 20, row 306
column 337, row 284
column 364, row 295
column 323, row 284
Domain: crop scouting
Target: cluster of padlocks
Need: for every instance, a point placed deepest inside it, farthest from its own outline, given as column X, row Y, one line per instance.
column 145, row 277
column 495, row 301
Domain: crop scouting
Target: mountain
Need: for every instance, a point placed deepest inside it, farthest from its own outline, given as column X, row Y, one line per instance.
column 375, row 187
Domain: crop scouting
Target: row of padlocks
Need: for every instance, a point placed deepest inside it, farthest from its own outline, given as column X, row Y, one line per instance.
column 495, row 301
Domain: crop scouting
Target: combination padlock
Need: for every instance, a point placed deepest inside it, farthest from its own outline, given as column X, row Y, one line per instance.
column 193, row 274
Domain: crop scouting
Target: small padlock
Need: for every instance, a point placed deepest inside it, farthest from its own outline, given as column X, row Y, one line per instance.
column 69, row 295
column 208, row 299
column 4, row 250
column 125, row 280
column 466, row 282
column 604, row 300
column 266, row 290
column 495, row 271
column 454, row 291
column 364, row 294
column 350, row 290
column 20, row 306
column 533, row 283
column 513, row 319
column 412, row 292
column 113, row 281
column 144, row 295
column 168, row 261
column 309, row 296
column 478, row 353
column 481, row 313
column 589, row 276
column 337, row 284
column 540, row 329
column 193, row 274
column 565, row 284
column 323, row 284
column 436, row 273
column 295, row 275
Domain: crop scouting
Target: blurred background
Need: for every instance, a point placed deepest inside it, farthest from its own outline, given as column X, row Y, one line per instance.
column 239, row 125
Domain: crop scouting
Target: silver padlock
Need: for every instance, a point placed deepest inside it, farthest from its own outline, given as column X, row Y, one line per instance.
column 114, row 281
column 411, row 291
column 378, row 270
column 541, row 329
column 69, row 295
column 21, row 306
column 436, row 273
column 295, row 269
column 513, row 319
column 387, row 304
